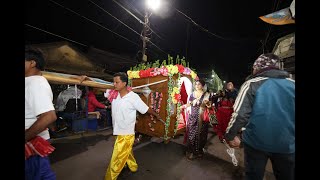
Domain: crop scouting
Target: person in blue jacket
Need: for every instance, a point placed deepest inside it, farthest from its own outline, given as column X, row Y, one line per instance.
column 265, row 112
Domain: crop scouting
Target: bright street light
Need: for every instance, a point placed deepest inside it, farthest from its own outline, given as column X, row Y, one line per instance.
column 212, row 75
column 224, row 81
column 153, row 4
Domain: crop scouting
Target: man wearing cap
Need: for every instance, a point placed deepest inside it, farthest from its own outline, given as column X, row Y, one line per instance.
column 265, row 110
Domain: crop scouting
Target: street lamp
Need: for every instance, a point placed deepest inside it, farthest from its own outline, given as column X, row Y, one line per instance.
column 154, row 5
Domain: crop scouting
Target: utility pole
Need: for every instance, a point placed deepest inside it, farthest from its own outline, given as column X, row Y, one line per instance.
column 144, row 37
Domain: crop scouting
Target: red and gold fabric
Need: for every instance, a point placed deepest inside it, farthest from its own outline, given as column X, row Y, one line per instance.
column 38, row 146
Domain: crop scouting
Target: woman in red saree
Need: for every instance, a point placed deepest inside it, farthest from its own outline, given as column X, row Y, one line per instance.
column 223, row 114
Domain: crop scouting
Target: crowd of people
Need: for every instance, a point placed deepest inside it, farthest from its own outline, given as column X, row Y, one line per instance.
column 260, row 115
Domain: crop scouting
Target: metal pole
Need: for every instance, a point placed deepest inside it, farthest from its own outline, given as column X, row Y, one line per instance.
column 76, row 92
column 144, row 36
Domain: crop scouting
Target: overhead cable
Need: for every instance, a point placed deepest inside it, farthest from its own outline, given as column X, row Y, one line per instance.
column 202, row 28
column 55, row 35
column 94, row 22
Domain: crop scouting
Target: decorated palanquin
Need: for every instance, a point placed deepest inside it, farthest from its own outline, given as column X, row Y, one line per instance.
column 165, row 88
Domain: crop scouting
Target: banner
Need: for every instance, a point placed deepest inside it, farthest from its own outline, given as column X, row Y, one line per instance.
column 280, row 17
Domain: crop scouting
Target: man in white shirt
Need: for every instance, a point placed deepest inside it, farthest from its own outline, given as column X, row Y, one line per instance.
column 39, row 113
column 124, row 109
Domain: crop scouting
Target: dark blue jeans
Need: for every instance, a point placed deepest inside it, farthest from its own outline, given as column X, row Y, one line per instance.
column 66, row 118
column 38, row 168
column 255, row 161
column 109, row 120
column 105, row 117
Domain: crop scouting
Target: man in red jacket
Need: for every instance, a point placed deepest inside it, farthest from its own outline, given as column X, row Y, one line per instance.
column 95, row 105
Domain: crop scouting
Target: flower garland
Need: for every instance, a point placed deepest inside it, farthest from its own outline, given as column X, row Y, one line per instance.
column 169, row 110
column 155, row 69
column 164, row 70
column 112, row 94
column 178, row 105
column 156, row 98
column 178, row 117
column 175, row 95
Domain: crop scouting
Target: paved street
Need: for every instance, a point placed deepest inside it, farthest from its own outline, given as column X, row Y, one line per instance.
column 86, row 157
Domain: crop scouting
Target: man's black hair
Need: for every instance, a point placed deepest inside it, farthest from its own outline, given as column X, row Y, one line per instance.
column 123, row 77
column 36, row 55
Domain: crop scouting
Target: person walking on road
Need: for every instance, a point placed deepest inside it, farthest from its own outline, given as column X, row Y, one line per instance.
column 265, row 110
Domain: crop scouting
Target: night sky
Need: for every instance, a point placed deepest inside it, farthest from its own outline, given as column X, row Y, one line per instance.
column 241, row 32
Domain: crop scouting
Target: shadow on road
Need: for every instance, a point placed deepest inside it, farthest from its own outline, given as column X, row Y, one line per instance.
column 66, row 148
column 167, row 161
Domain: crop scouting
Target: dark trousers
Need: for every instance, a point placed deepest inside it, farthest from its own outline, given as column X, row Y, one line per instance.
column 109, row 118
column 66, row 119
column 38, row 168
column 255, row 161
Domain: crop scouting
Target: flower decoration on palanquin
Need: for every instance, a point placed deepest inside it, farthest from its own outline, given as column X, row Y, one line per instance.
column 175, row 95
column 164, row 70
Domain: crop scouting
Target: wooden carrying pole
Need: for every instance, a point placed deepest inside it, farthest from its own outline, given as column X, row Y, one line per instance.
column 60, row 78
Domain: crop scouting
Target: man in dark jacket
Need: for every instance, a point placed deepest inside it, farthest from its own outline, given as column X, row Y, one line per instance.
column 265, row 110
